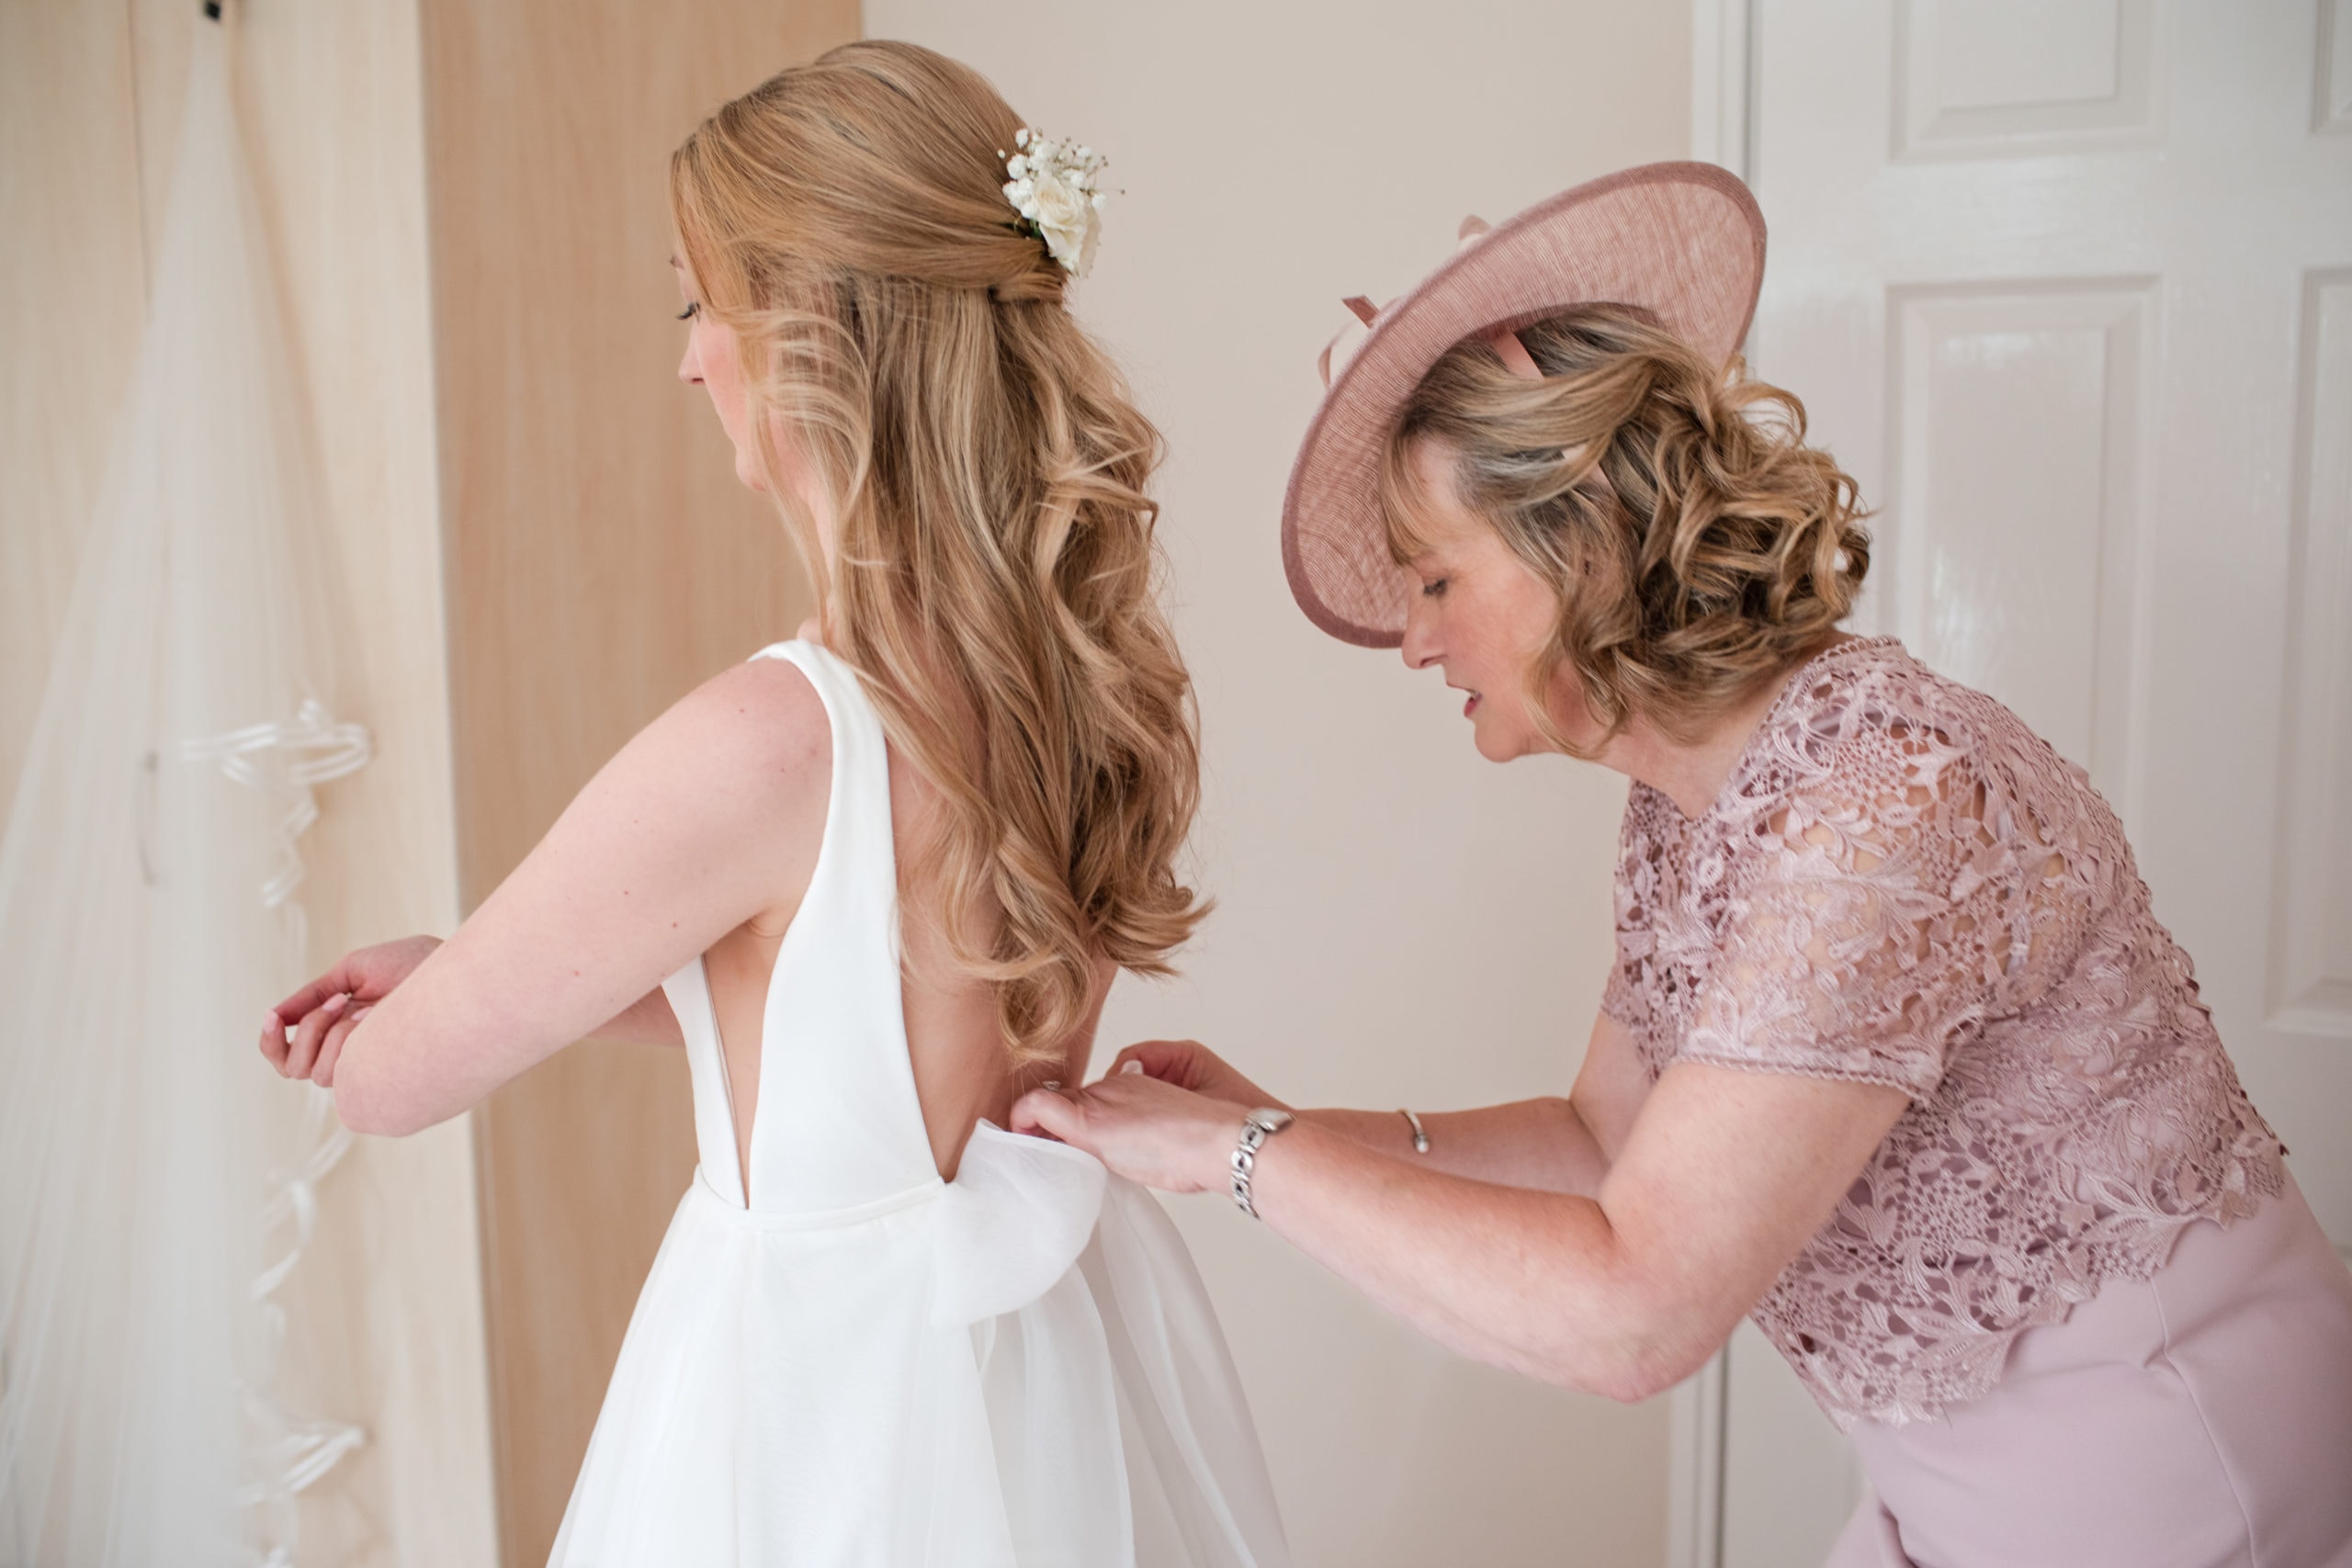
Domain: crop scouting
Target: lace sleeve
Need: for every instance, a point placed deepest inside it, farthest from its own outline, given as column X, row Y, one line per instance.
column 1849, row 954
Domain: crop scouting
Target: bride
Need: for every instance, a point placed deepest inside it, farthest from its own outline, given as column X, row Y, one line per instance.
column 876, row 883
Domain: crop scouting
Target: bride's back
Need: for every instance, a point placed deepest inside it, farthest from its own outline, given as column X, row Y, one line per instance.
column 886, row 340
column 963, row 1074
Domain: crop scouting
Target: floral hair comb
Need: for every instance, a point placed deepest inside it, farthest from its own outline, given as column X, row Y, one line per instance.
column 1053, row 188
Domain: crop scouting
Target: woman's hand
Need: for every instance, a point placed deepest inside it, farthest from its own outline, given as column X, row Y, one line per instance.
column 1144, row 1128
column 323, row 1013
column 1188, row 1063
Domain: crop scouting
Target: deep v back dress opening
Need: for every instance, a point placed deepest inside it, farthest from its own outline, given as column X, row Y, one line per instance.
column 839, row 1359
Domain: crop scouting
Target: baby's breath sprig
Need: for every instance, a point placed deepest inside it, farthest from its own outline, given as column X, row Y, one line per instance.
column 1054, row 186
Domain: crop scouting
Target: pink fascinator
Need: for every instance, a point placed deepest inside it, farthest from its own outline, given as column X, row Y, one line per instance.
column 1684, row 241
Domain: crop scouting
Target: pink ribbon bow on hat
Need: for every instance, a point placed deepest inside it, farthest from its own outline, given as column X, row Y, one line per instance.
column 1504, row 341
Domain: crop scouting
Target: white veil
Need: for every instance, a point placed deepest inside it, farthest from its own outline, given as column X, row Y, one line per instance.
column 155, row 1176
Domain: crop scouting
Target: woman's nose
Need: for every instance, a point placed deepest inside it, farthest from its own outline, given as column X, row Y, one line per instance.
column 687, row 371
column 1420, row 639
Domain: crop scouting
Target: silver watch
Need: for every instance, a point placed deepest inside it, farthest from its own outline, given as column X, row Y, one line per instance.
column 1256, row 1128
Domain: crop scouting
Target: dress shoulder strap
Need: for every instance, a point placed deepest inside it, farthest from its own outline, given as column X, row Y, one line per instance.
column 838, row 1122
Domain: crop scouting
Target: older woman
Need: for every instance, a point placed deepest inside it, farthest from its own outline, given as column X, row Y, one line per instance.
column 1894, row 1058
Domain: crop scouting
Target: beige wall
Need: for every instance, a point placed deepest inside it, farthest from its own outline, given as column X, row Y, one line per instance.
column 1399, row 922
column 386, row 1308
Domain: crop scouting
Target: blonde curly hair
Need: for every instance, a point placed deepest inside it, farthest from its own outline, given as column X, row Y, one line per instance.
column 995, row 576
column 1696, row 545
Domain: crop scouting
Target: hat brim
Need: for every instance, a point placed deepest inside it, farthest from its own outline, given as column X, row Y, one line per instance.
column 1683, row 241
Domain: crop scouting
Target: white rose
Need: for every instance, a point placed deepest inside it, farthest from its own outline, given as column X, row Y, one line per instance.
column 1065, row 215
column 1053, row 187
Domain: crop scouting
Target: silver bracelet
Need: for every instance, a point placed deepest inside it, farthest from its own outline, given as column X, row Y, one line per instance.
column 1420, row 1134
column 1256, row 1128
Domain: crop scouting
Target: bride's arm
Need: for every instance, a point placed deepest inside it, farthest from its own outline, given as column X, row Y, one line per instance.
column 303, row 1035
column 712, row 815
column 647, row 1020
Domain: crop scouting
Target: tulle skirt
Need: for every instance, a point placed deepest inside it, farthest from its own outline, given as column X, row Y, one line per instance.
column 841, row 1391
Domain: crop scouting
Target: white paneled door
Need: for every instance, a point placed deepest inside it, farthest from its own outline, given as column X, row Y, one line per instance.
column 2067, row 286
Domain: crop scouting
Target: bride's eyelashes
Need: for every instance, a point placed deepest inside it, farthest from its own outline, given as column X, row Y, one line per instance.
column 693, row 309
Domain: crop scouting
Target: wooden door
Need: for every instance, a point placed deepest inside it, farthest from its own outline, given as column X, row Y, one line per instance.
column 602, row 561
column 2067, row 286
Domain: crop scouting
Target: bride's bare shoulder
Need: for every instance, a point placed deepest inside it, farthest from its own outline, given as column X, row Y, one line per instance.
column 750, row 748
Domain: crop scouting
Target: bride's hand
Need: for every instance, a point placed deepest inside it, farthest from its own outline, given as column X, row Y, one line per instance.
column 1143, row 1129
column 322, row 1014
column 1188, row 1063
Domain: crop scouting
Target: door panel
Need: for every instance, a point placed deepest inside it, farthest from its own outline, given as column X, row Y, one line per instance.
column 1981, row 78
column 2017, row 421
column 2067, row 286
column 2310, row 991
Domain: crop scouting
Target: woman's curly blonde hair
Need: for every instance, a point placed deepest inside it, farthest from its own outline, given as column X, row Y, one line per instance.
column 1696, row 545
column 905, row 347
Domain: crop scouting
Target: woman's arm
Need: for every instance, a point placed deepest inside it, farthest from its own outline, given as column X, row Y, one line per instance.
column 1723, row 1176
column 711, row 815
column 1540, row 1144
column 1551, row 1144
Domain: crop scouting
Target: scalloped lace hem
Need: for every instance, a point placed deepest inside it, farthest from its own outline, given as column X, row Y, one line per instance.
column 1976, row 1370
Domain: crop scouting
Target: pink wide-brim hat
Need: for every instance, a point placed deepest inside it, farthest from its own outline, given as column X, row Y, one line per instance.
column 1684, row 241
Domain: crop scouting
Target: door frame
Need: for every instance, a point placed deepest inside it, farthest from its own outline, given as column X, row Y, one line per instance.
column 1722, row 63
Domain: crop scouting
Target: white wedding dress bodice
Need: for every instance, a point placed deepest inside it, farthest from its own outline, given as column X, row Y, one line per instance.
column 849, row 1361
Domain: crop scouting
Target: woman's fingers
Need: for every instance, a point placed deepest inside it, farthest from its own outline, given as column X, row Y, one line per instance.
column 1043, row 1112
column 1180, row 1062
column 1188, row 1063
column 311, row 1033
column 364, row 974
column 273, row 1041
column 318, row 993
column 1143, row 1129
column 331, row 1051
column 302, row 1003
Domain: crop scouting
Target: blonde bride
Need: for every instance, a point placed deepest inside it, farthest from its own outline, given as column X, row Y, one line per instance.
column 875, row 881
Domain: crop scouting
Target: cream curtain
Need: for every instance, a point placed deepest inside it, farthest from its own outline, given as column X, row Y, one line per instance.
column 155, row 1177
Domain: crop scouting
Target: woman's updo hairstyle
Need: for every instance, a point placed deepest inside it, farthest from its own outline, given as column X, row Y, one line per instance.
column 906, row 355
column 1697, row 546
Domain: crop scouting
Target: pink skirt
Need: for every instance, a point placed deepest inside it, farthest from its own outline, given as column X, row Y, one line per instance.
column 2199, row 1418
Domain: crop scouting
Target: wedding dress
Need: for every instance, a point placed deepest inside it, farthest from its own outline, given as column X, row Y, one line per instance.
column 847, row 1361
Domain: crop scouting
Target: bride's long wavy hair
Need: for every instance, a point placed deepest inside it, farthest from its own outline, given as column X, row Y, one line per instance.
column 906, row 351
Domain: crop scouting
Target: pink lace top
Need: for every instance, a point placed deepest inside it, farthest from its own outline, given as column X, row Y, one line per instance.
column 1903, row 884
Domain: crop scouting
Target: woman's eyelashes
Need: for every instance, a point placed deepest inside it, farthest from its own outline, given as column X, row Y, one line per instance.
column 693, row 309
column 1434, row 588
